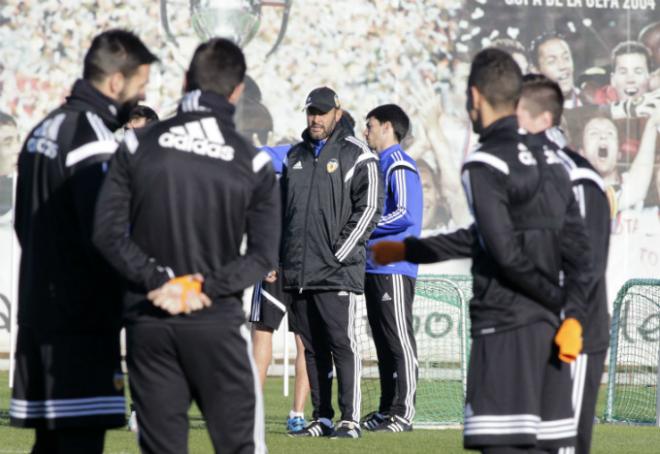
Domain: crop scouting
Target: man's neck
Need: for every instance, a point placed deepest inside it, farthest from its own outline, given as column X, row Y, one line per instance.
column 386, row 145
column 490, row 115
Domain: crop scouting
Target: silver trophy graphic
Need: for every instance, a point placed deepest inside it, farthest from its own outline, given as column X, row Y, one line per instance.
column 237, row 20
column 186, row 23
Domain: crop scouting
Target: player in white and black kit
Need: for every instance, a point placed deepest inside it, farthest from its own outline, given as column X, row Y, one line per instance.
column 190, row 188
column 527, row 235
column 68, row 379
column 390, row 289
column 539, row 112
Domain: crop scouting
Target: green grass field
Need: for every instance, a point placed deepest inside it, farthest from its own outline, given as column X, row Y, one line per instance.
column 607, row 438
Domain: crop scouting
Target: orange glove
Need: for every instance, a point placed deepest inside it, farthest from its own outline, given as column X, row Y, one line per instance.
column 386, row 252
column 189, row 287
column 569, row 340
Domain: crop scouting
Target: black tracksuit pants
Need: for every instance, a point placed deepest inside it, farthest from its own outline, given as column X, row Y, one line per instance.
column 171, row 364
column 389, row 308
column 587, row 374
column 326, row 323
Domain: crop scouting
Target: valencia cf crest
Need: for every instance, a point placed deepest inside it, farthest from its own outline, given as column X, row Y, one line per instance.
column 332, row 165
column 118, row 381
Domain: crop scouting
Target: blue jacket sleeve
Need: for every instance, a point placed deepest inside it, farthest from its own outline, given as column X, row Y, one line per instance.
column 406, row 187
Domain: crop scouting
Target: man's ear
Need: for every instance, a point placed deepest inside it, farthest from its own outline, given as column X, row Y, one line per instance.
column 237, row 93
column 547, row 120
column 476, row 98
column 338, row 114
column 116, row 83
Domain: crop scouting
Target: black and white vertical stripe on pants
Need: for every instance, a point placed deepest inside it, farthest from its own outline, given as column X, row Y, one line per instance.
column 326, row 323
column 587, row 372
column 389, row 308
column 170, row 364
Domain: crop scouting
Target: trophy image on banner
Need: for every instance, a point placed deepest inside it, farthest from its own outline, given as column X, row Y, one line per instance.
column 186, row 23
column 238, row 20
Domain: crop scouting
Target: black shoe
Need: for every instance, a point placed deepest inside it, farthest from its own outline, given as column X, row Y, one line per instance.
column 315, row 429
column 394, row 424
column 373, row 420
column 347, row 429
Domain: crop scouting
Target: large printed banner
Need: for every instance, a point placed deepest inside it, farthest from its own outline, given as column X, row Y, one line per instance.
column 605, row 55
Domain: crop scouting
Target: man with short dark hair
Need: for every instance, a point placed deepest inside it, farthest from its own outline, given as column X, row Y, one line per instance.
column 332, row 200
column 630, row 70
column 390, row 290
column 527, row 241
column 191, row 187
column 68, row 380
column 552, row 57
column 539, row 111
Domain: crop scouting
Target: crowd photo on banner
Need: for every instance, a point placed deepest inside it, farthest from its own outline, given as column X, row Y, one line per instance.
column 375, row 94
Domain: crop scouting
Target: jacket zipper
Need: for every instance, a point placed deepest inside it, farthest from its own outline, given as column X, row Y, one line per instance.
column 304, row 251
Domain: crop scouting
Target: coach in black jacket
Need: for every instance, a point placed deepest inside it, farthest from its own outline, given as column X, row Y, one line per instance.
column 332, row 202
column 190, row 187
column 68, row 380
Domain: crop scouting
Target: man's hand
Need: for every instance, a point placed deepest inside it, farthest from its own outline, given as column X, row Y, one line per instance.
column 182, row 294
column 569, row 340
column 386, row 252
column 639, row 106
column 271, row 277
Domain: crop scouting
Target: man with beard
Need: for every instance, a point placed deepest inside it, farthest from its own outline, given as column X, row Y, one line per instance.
column 332, row 201
column 68, row 379
column 519, row 382
column 600, row 146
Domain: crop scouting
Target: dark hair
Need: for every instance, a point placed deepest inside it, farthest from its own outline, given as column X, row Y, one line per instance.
column 218, row 66
column 6, row 119
column 348, row 118
column 630, row 47
column 541, row 40
column 650, row 28
column 115, row 51
column 145, row 112
column 543, row 95
column 497, row 77
column 508, row 45
column 395, row 115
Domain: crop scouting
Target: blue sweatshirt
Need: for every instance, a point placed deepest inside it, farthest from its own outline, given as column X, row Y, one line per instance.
column 402, row 213
column 277, row 155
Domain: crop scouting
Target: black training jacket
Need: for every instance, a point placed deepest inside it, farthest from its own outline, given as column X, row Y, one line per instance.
column 64, row 283
column 589, row 189
column 529, row 232
column 331, row 205
column 535, row 273
column 179, row 197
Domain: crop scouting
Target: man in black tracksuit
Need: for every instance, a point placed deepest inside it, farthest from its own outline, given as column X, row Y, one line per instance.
column 68, row 378
column 190, row 187
column 539, row 112
column 527, row 233
column 332, row 202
